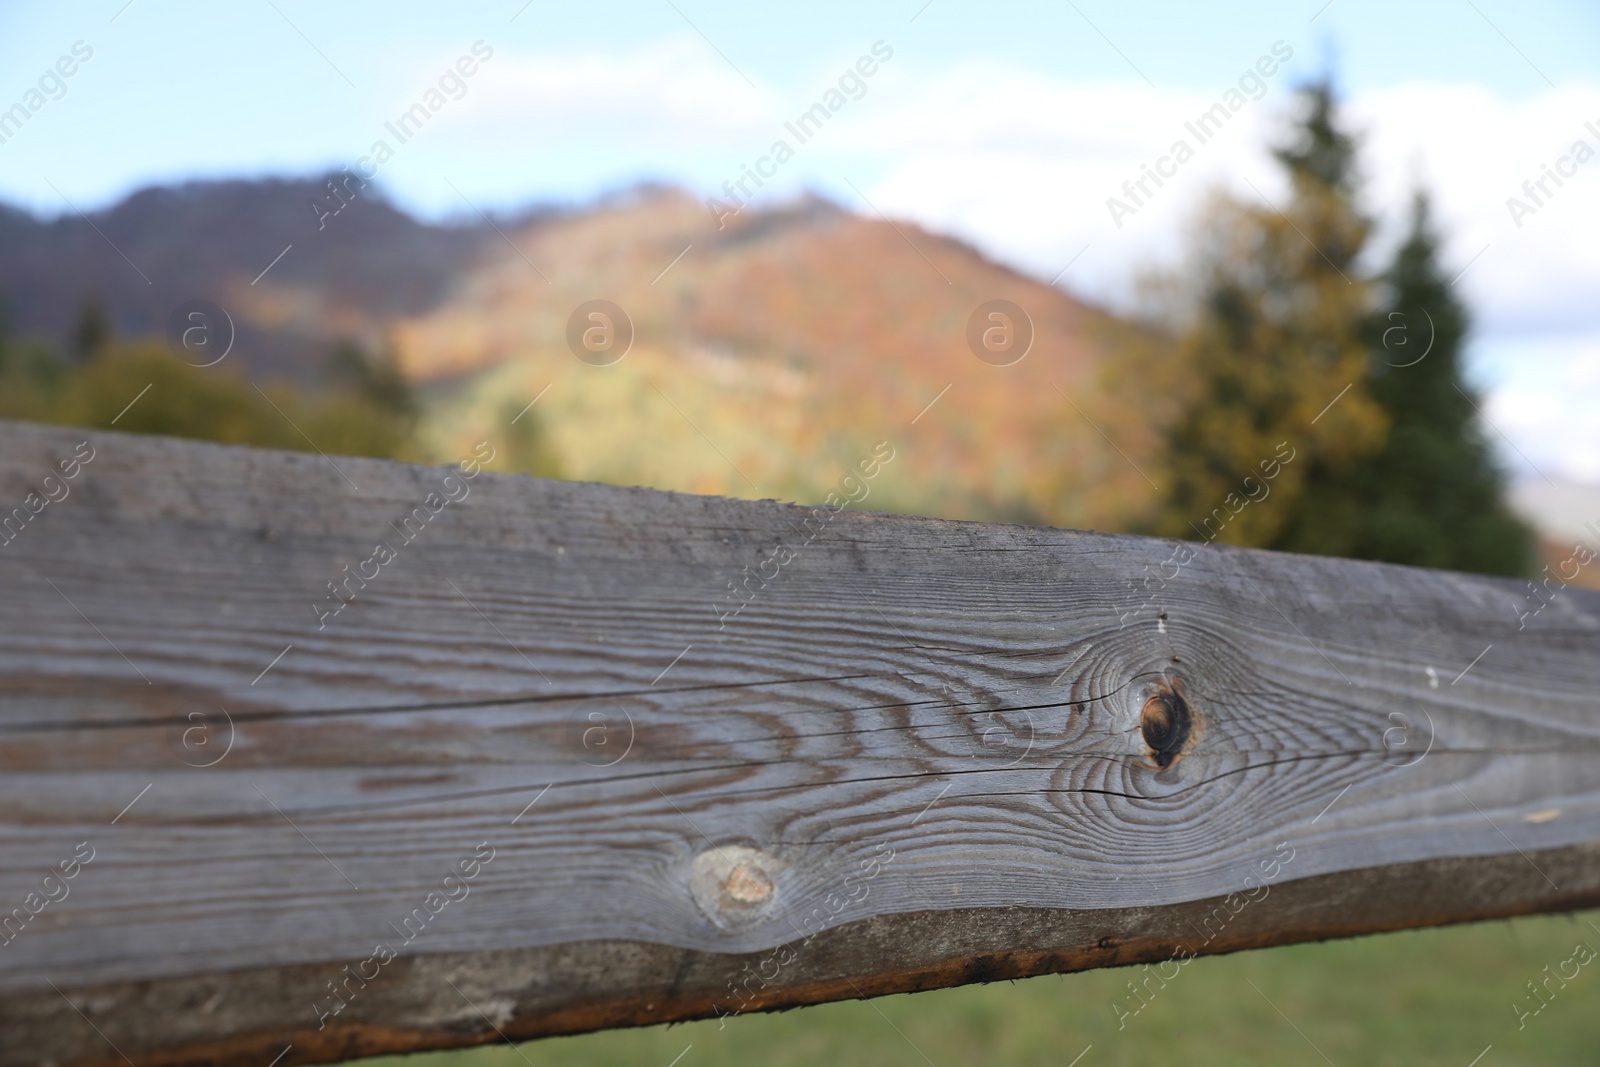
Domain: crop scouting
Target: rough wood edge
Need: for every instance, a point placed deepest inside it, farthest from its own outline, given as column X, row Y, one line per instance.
column 250, row 1016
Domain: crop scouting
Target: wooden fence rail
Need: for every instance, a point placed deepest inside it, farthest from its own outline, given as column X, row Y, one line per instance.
column 319, row 758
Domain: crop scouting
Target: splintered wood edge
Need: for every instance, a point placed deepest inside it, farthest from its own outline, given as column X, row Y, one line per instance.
column 427, row 1002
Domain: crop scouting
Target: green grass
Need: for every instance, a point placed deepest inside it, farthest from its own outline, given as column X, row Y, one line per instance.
column 1418, row 997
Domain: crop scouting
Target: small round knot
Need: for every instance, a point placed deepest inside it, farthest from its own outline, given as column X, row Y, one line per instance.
column 734, row 885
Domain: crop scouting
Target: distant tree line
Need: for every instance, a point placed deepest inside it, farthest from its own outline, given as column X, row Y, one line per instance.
column 361, row 405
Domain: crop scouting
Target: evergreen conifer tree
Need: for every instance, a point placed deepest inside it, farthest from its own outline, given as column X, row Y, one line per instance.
column 1270, row 362
column 1433, row 496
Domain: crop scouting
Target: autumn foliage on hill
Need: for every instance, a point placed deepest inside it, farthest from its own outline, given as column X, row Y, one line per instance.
column 772, row 354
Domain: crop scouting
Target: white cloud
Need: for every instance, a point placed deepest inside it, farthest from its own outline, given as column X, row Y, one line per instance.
column 1545, row 401
column 669, row 96
column 1024, row 165
column 1475, row 150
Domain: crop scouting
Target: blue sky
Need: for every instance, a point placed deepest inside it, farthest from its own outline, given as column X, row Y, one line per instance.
column 183, row 88
column 1005, row 123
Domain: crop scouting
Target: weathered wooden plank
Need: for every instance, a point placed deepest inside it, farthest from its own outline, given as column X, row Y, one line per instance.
column 913, row 733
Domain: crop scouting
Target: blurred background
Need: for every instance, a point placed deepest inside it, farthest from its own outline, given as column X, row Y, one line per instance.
column 1356, row 234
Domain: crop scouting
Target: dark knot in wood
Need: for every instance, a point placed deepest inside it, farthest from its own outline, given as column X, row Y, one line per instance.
column 1167, row 722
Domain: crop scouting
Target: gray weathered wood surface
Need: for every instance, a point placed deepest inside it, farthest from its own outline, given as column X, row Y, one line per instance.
column 927, row 743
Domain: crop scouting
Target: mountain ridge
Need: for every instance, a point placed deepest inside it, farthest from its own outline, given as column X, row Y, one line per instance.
column 767, row 352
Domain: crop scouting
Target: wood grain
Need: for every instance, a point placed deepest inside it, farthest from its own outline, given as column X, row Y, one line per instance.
column 917, row 727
